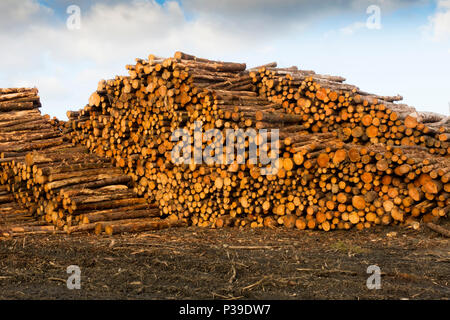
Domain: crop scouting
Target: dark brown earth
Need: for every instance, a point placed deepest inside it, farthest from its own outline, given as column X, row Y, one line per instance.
column 193, row 263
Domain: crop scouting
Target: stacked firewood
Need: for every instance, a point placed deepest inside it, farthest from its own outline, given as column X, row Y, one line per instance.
column 326, row 104
column 11, row 213
column 22, row 128
column 50, row 185
column 344, row 158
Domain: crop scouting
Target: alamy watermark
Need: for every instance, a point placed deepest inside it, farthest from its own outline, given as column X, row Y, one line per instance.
column 74, row 280
column 215, row 147
column 74, row 20
column 374, row 20
column 374, row 281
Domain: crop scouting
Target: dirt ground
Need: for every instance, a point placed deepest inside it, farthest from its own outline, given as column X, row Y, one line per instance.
column 193, row 263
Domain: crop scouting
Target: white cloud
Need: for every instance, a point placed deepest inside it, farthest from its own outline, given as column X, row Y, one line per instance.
column 351, row 29
column 439, row 23
column 22, row 13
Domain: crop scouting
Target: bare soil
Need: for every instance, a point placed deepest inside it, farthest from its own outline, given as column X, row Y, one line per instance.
column 194, row 263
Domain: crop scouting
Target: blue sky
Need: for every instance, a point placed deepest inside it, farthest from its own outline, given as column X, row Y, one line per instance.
column 408, row 55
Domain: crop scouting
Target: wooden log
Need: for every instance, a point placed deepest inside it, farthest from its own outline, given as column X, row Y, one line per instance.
column 438, row 229
column 151, row 224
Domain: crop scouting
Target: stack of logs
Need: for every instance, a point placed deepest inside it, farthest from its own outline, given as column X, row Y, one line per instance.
column 50, row 185
column 18, row 113
column 326, row 104
column 345, row 157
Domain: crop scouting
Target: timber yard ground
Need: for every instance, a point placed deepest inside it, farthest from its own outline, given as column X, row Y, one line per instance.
column 194, row 263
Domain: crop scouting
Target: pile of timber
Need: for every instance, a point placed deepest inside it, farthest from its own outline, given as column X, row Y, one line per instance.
column 22, row 128
column 326, row 104
column 50, row 185
column 345, row 158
